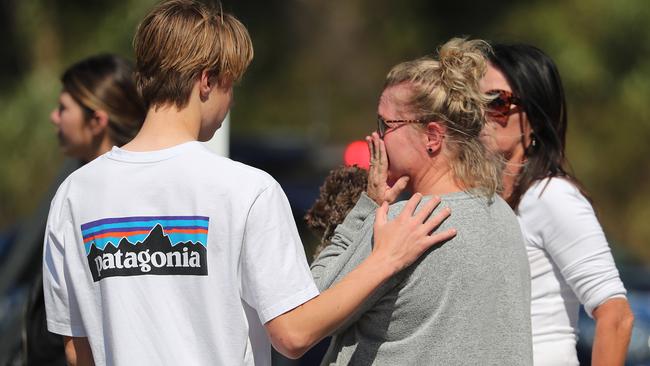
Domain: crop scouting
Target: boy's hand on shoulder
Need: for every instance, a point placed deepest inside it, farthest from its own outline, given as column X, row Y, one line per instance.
column 401, row 241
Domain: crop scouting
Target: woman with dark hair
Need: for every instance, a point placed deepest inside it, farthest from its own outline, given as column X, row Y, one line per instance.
column 99, row 107
column 570, row 259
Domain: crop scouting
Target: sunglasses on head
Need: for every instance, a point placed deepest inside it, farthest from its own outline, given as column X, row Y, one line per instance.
column 501, row 106
column 383, row 126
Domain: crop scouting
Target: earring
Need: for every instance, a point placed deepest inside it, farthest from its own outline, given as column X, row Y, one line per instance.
column 530, row 149
column 429, row 150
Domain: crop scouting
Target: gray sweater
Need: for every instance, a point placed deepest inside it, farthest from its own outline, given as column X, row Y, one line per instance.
column 465, row 302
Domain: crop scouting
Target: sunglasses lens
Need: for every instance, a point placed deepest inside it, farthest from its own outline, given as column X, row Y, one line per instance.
column 499, row 105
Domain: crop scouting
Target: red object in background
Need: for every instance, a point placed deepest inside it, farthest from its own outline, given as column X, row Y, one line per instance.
column 356, row 153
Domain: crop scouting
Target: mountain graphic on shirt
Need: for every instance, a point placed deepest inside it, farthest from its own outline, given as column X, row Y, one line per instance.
column 166, row 249
column 135, row 229
column 156, row 238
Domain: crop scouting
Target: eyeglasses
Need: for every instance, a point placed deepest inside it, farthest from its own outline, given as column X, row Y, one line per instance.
column 501, row 107
column 383, row 126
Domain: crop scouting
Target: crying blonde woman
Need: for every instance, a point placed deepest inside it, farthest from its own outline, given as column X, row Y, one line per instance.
column 466, row 301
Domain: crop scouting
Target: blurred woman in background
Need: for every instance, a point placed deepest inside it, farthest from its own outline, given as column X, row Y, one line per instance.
column 99, row 107
column 570, row 259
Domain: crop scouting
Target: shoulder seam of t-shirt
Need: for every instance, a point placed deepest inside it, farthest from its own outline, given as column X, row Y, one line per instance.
column 257, row 196
column 261, row 192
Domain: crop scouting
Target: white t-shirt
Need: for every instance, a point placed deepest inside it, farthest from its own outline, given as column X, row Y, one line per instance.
column 570, row 263
column 172, row 257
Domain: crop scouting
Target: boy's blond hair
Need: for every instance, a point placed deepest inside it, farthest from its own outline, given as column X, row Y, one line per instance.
column 177, row 41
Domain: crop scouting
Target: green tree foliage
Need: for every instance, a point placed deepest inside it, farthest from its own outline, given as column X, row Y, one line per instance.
column 319, row 68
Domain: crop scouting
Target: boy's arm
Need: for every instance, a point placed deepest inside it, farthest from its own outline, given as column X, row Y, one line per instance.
column 77, row 351
column 398, row 243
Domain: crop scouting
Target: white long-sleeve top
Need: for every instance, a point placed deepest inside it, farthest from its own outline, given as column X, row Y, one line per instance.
column 570, row 263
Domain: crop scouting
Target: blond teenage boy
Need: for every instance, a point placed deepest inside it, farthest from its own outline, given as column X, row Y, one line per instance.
column 162, row 253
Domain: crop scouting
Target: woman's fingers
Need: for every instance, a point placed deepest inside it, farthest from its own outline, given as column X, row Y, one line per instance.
column 372, row 147
column 393, row 192
column 370, row 153
column 376, row 182
column 378, row 189
column 383, row 156
column 373, row 142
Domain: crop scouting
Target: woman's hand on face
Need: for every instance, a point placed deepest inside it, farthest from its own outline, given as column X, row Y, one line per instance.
column 402, row 240
column 378, row 189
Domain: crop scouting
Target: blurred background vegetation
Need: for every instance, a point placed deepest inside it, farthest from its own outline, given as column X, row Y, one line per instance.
column 318, row 70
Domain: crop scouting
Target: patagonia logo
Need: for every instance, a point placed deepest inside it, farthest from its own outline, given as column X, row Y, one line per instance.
column 147, row 245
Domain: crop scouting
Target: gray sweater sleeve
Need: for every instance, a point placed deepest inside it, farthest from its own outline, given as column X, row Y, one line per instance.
column 330, row 264
column 351, row 245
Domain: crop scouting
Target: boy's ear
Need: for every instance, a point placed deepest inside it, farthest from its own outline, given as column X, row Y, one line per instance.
column 206, row 83
column 98, row 122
